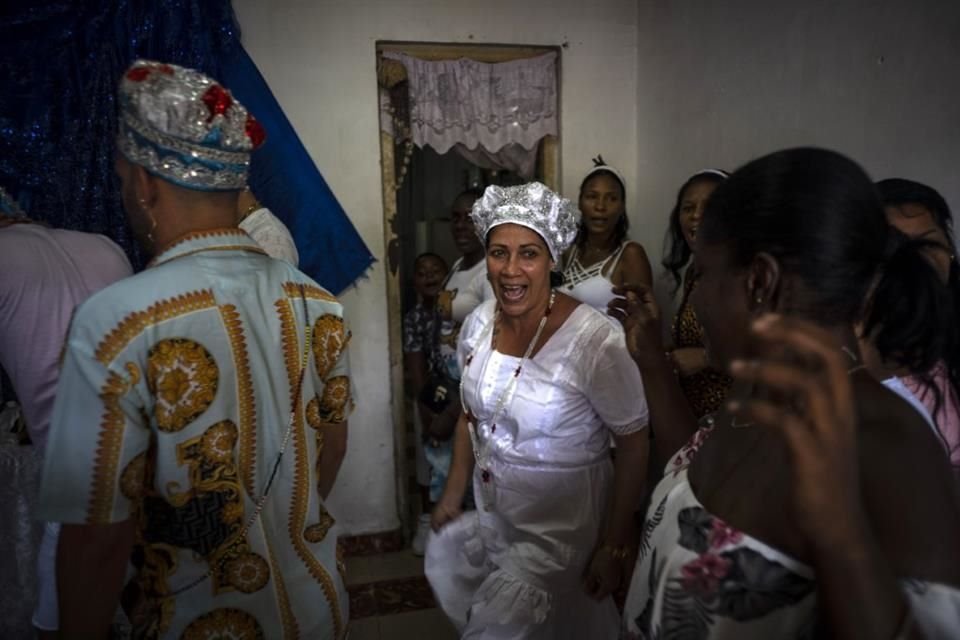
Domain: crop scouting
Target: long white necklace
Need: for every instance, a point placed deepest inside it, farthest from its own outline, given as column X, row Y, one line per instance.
column 481, row 452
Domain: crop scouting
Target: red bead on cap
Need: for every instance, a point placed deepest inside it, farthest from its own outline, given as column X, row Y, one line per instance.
column 217, row 101
column 255, row 131
column 138, row 74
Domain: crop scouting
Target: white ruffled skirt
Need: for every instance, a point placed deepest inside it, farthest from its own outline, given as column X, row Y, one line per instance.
column 513, row 569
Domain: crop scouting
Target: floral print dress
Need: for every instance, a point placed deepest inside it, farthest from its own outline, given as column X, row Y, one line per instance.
column 698, row 578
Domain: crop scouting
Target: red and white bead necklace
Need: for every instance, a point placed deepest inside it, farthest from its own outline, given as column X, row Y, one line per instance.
column 482, row 453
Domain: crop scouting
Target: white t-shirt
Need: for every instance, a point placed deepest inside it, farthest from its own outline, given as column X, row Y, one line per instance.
column 271, row 234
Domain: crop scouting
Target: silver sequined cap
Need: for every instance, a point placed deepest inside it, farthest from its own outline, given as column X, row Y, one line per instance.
column 531, row 205
column 185, row 127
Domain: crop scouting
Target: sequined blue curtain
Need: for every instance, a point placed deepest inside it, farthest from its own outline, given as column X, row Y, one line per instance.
column 59, row 66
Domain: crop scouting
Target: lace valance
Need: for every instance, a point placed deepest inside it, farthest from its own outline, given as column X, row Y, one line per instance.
column 479, row 104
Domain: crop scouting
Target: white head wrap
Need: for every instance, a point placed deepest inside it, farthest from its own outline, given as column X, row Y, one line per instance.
column 531, row 205
column 710, row 172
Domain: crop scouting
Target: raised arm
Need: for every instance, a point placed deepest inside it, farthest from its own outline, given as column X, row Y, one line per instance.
column 672, row 419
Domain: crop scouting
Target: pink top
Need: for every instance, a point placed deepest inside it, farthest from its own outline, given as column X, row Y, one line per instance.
column 46, row 273
column 947, row 419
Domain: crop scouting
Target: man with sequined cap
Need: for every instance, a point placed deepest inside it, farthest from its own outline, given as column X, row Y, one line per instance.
column 201, row 417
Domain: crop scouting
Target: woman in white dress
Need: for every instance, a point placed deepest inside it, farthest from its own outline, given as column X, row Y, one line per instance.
column 602, row 255
column 545, row 382
column 816, row 503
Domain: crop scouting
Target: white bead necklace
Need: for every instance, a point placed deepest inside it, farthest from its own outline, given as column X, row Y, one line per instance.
column 481, row 453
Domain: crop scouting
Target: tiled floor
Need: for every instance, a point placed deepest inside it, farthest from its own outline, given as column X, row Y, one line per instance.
column 390, row 600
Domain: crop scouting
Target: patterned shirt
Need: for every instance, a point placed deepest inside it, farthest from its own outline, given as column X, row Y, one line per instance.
column 420, row 336
column 174, row 401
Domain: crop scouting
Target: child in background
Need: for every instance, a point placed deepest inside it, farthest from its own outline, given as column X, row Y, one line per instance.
column 422, row 362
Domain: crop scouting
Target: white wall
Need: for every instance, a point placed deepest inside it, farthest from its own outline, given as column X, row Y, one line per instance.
column 319, row 60
column 722, row 82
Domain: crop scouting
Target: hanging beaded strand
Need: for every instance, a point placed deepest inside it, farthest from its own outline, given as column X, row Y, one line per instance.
column 482, row 454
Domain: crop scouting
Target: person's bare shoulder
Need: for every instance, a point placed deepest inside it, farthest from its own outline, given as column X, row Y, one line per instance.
column 634, row 265
column 911, row 499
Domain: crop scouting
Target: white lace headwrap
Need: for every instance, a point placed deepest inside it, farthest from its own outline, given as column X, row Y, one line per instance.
column 531, row 205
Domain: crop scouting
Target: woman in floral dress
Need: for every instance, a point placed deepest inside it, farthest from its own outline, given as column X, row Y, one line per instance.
column 816, row 502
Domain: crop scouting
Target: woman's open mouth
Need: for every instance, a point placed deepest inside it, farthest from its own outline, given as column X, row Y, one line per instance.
column 513, row 293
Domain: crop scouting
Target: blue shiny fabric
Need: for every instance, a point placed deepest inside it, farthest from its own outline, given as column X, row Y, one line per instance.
column 60, row 62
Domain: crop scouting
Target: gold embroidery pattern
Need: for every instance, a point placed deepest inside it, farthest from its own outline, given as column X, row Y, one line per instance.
column 291, row 341
column 341, row 561
column 248, row 572
column 301, row 485
column 132, row 476
column 216, row 531
column 183, row 377
column 317, row 532
column 224, row 624
column 109, row 445
column 329, row 340
column 223, row 232
column 228, row 247
column 151, row 611
column 291, row 631
column 313, row 413
column 131, row 326
column 247, row 403
column 335, row 400
column 292, row 289
column 217, row 442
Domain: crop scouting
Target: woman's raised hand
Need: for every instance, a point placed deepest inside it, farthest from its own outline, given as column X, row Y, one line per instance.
column 804, row 380
column 637, row 310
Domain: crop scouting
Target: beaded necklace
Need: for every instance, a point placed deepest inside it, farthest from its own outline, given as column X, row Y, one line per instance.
column 481, row 453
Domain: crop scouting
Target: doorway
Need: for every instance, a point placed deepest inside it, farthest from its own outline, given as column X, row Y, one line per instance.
column 419, row 185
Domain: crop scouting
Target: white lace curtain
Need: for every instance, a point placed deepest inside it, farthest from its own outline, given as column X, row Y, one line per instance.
column 499, row 112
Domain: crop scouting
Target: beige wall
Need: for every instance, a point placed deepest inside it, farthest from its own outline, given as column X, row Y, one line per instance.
column 319, row 60
column 720, row 83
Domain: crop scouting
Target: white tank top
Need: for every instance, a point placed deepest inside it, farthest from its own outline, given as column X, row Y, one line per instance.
column 589, row 285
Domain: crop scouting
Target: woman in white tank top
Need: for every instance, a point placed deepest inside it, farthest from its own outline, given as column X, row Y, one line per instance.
column 602, row 256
